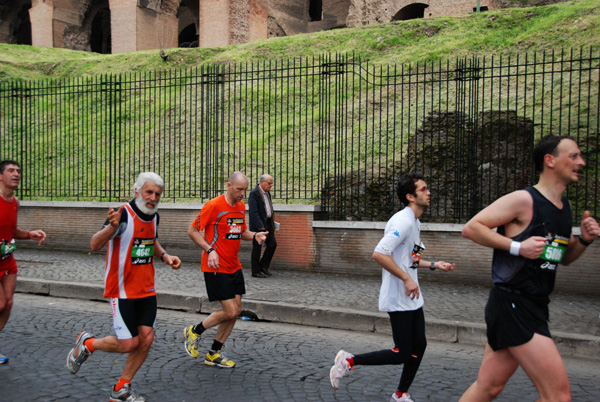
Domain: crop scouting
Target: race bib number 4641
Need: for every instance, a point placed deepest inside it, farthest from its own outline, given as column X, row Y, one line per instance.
column 142, row 251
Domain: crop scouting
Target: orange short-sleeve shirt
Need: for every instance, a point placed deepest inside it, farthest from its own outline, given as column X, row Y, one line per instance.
column 223, row 226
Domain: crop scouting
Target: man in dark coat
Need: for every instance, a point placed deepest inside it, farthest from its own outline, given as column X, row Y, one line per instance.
column 262, row 219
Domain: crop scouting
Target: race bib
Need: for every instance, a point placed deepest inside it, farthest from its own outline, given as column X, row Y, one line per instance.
column 142, row 251
column 416, row 255
column 7, row 248
column 556, row 247
column 235, row 228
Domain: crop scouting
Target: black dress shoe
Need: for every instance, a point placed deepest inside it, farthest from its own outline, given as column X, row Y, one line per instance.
column 266, row 271
column 258, row 275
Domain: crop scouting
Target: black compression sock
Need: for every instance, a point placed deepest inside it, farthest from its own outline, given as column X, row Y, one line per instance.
column 199, row 329
column 216, row 346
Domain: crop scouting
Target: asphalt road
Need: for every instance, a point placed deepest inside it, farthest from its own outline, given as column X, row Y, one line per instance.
column 275, row 362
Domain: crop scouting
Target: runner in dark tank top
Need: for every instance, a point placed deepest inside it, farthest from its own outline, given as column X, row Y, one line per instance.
column 533, row 237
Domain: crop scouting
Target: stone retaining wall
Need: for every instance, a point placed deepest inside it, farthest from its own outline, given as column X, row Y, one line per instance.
column 304, row 243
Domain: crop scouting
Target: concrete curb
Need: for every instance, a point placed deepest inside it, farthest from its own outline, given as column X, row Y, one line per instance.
column 572, row 345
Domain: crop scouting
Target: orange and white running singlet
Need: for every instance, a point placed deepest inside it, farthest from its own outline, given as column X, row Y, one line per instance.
column 129, row 260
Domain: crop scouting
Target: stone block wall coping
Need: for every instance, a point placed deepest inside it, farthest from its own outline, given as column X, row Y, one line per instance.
column 425, row 227
column 166, row 205
column 434, row 227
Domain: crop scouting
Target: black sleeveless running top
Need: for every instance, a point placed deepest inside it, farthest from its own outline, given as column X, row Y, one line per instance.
column 536, row 277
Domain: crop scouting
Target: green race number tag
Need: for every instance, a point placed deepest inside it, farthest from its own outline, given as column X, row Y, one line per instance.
column 7, row 248
column 555, row 250
column 142, row 251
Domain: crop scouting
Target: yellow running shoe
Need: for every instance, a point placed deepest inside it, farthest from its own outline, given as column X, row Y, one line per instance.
column 191, row 341
column 218, row 359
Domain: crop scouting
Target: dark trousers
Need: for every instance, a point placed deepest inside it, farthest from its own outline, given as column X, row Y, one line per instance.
column 257, row 262
column 408, row 329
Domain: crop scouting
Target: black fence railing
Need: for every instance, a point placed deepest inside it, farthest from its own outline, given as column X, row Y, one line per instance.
column 331, row 130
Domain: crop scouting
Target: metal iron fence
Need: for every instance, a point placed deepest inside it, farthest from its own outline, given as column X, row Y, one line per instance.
column 331, row 130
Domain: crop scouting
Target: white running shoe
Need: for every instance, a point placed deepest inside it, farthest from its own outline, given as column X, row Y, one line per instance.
column 404, row 398
column 79, row 353
column 126, row 394
column 340, row 369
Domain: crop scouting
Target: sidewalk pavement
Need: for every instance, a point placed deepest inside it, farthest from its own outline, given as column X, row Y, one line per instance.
column 452, row 313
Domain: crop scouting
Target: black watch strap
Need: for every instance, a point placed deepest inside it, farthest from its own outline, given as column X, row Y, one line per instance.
column 210, row 250
column 585, row 243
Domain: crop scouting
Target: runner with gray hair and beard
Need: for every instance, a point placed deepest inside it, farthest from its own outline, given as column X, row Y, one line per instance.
column 132, row 238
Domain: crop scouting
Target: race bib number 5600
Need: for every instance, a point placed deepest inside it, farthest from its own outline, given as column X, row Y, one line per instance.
column 555, row 249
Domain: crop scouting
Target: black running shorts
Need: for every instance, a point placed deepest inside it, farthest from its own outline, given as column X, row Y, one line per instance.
column 512, row 319
column 129, row 314
column 221, row 286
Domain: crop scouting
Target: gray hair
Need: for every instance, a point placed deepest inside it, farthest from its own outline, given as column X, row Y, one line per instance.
column 145, row 177
column 264, row 177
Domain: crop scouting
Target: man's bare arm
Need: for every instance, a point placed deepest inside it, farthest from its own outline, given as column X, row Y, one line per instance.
column 514, row 211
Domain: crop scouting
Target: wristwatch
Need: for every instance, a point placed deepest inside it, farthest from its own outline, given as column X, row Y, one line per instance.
column 210, row 250
column 432, row 266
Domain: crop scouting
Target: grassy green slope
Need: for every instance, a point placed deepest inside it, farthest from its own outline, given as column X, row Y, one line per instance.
column 572, row 24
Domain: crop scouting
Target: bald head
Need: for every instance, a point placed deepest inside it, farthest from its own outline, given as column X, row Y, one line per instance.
column 237, row 184
column 236, row 176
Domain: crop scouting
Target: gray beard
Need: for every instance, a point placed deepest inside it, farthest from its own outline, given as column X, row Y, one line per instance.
column 141, row 204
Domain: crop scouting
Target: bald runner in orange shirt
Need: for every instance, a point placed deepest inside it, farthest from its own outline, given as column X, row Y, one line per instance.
column 218, row 230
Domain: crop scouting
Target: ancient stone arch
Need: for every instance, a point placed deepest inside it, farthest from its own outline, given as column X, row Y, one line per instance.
column 100, row 33
column 92, row 32
column 15, row 26
column 411, row 11
column 188, row 23
column 289, row 17
column 116, row 26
